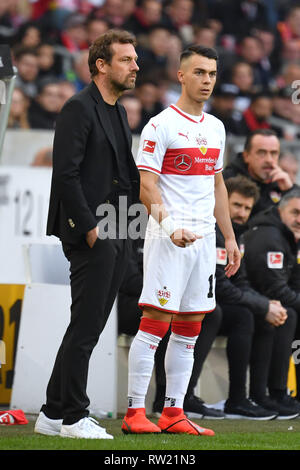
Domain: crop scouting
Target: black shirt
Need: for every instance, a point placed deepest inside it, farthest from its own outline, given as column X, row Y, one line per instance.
column 124, row 185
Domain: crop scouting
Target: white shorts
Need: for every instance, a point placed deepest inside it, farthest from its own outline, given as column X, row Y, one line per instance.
column 179, row 280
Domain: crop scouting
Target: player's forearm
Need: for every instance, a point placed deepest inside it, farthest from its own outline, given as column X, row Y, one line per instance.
column 221, row 211
column 151, row 198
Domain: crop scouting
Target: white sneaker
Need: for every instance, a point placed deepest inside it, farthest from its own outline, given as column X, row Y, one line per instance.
column 47, row 426
column 85, row 428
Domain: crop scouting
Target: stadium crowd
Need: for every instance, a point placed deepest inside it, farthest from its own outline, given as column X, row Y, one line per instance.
column 258, row 43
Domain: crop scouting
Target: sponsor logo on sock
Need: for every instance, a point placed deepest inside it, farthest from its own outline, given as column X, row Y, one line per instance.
column 190, row 346
column 153, row 346
column 130, row 401
column 170, row 401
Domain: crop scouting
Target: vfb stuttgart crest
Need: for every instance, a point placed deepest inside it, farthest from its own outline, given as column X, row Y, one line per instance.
column 202, row 142
column 163, row 296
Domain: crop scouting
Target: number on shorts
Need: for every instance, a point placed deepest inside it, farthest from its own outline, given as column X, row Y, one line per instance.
column 210, row 292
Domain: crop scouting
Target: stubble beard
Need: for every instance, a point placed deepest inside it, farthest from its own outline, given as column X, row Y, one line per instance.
column 120, row 87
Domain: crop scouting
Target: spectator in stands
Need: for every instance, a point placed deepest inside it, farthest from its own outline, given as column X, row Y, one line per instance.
column 272, row 243
column 26, row 61
column 251, row 50
column 7, row 29
column 242, row 76
column 290, row 27
column 18, row 113
column 74, row 35
column 289, row 163
column 271, row 57
column 133, row 108
column 148, row 93
column 222, row 106
column 289, row 74
column 180, row 18
column 46, row 60
column 66, row 90
column 258, row 114
column 148, row 14
column 290, row 51
column 239, row 18
column 29, row 34
column 82, row 74
column 284, row 115
column 115, row 11
column 205, row 35
column 259, row 162
column 44, row 108
column 95, row 27
column 153, row 57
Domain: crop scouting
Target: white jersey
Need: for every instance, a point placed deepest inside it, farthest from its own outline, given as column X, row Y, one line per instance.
column 185, row 151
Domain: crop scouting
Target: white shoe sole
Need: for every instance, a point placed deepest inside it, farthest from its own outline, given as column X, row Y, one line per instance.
column 288, row 417
column 46, row 431
column 64, row 433
column 263, row 418
column 104, row 436
column 200, row 416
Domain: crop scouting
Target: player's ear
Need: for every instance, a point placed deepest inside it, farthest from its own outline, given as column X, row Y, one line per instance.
column 180, row 76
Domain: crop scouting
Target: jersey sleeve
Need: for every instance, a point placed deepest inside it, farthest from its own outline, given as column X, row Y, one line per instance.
column 220, row 159
column 152, row 147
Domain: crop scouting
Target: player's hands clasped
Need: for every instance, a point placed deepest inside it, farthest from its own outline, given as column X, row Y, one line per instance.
column 183, row 237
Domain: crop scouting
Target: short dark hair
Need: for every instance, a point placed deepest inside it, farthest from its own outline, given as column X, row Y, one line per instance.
column 292, row 194
column 101, row 47
column 242, row 185
column 264, row 132
column 208, row 52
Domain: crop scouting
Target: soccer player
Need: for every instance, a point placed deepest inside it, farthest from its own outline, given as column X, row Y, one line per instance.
column 180, row 159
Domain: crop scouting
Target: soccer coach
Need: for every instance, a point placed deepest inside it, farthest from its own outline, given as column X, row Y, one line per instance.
column 92, row 165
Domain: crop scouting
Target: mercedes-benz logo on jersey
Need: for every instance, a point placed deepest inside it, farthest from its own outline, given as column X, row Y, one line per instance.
column 183, row 162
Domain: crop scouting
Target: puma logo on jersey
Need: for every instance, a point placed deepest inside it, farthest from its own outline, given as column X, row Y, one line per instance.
column 184, row 135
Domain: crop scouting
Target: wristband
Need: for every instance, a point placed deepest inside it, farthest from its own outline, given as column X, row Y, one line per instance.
column 168, row 225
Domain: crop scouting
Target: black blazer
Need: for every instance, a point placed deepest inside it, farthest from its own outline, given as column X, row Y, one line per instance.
column 85, row 165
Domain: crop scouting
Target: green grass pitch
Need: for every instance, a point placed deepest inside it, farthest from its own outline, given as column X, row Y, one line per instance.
column 230, row 435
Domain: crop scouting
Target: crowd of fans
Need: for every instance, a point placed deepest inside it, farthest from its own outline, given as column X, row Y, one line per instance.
column 258, row 43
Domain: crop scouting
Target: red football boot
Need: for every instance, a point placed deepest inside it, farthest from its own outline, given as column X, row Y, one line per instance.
column 135, row 422
column 174, row 421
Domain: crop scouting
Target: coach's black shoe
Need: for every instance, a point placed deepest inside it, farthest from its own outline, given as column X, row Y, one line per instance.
column 246, row 409
column 287, row 406
column 194, row 407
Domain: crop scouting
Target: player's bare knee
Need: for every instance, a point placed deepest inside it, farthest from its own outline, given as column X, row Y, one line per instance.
column 156, row 314
column 191, row 317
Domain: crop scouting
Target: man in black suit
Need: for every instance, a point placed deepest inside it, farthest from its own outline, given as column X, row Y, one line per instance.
column 92, row 165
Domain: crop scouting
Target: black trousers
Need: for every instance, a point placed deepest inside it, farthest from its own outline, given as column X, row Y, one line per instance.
column 95, row 276
column 281, row 352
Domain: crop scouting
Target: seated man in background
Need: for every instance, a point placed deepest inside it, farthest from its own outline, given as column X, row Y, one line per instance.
column 259, row 162
column 272, row 263
column 247, row 318
column 250, row 320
